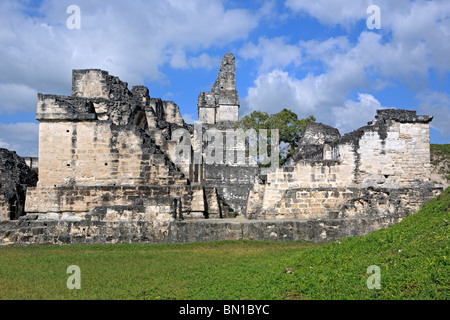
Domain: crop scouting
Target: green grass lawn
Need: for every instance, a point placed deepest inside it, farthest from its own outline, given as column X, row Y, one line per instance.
column 412, row 257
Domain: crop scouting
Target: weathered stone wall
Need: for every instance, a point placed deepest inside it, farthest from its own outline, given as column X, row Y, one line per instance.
column 106, row 145
column 392, row 152
column 401, row 159
column 311, row 174
column 228, row 113
column 312, row 143
column 113, row 225
column 233, row 184
column 224, row 164
column 100, row 153
column 80, row 200
column 324, row 203
column 91, row 83
column 221, row 105
column 109, row 172
column 15, row 177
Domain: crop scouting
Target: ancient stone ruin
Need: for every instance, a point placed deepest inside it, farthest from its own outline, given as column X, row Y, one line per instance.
column 116, row 165
column 15, row 177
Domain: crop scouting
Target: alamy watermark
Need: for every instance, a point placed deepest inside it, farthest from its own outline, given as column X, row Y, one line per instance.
column 374, row 21
column 374, row 281
column 74, row 281
column 74, row 20
column 231, row 146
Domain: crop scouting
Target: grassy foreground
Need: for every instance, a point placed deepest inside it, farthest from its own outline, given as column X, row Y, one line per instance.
column 412, row 257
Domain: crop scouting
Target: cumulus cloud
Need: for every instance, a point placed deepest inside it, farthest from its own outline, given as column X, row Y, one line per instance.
column 278, row 90
column 130, row 39
column 416, row 28
column 272, row 53
column 410, row 45
column 345, row 12
column 436, row 104
column 355, row 114
column 17, row 97
column 204, row 61
column 20, row 137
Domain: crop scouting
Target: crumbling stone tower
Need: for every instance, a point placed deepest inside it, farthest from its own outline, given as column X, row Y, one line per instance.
column 222, row 103
column 218, row 113
column 109, row 172
column 106, row 145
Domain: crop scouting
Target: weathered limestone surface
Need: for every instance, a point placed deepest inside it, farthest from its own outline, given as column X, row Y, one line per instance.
column 106, row 145
column 222, row 103
column 311, row 146
column 233, row 184
column 390, row 154
column 15, row 177
column 110, row 172
column 113, row 225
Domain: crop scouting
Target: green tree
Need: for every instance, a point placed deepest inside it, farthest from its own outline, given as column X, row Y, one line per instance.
column 290, row 128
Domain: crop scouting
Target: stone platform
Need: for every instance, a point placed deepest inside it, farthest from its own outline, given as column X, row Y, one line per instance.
column 30, row 230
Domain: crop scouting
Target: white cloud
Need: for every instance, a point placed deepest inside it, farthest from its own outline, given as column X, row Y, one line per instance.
column 272, row 53
column 277, row 90
column 355, row 114
column 204, row 61
column 414, row 40
column 17, row 97
column 20, row 137
column 436, row 104
column 418, row 28
column 318, row 96
column 345, row 12
column 189, row 118
column 132, row 40
column 325, row 50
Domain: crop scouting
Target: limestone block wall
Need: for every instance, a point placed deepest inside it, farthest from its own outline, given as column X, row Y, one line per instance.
column 109, row 225
column 233, row 184
column 95, row 83
column 307, row 203
column 107, row 145
column 222, row 103
column 311, row 174
column 77, row 201
column 15, row 177
column 146, row 223
column 172, row 113
column 207, row 115
column 92, row 83
column 228, row 113
column 401, row 159
column 341, row 202
column 391, row 152
column 99, row 153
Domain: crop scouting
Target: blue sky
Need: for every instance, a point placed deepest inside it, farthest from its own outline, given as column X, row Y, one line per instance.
column 314, row 57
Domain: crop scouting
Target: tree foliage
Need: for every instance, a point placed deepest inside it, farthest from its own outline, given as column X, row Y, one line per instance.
column 290, row 128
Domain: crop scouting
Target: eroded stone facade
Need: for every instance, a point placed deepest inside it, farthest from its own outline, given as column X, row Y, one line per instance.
column 390, row 156
column 15, row 177
column 222, row 103
column 116, row 165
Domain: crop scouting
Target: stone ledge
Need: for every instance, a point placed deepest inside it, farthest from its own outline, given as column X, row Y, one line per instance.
column 108, row 232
